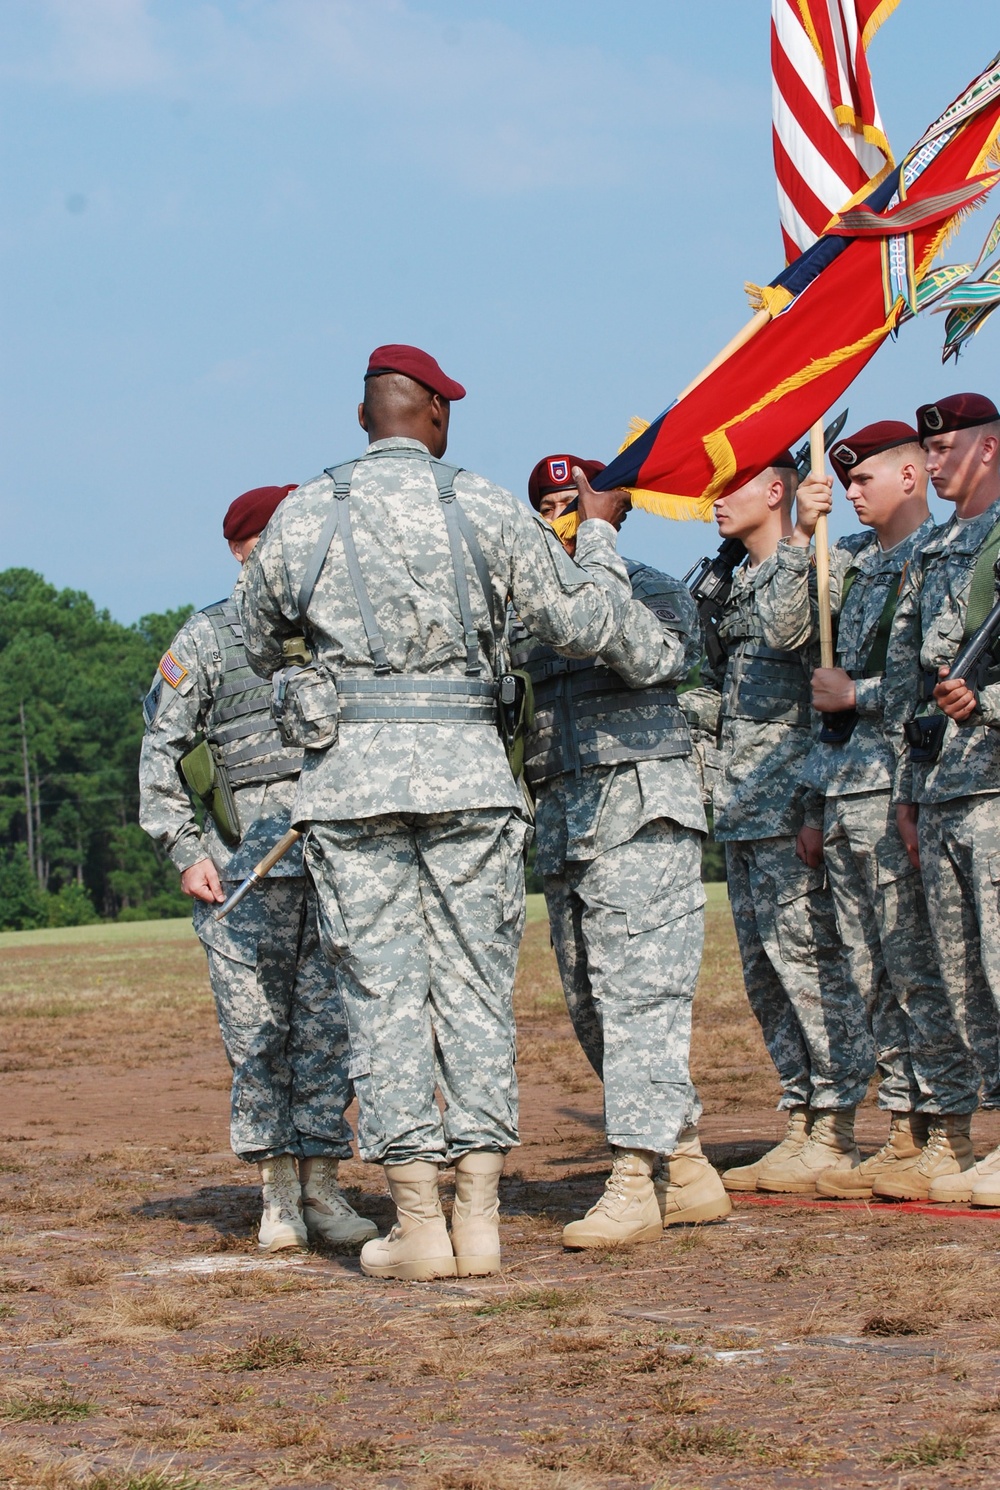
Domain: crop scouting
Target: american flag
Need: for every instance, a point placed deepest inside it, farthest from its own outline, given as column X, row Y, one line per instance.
column 828, row 137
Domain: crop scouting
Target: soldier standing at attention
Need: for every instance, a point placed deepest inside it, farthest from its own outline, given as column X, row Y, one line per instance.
column 279, row 1011
column 948, row 783
column 881, row 909
column 619, row 823
column 812, row 1018
column 400, row 568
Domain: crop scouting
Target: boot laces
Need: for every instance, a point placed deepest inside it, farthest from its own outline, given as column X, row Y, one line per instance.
column 331, row 1198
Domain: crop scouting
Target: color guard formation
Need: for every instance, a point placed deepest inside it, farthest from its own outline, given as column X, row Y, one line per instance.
column 414, row 669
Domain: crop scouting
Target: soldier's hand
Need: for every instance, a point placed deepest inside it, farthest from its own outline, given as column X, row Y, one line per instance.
column 813, row 498
column 202, row 882
column 832, row 690
column 809, row 847
column 611, row 506
column 906, row 822
column 954, row 698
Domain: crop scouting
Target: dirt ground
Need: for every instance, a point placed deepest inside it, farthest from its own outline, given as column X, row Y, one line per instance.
column 144, row 1344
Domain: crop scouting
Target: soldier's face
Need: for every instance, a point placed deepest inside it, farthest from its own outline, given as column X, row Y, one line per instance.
column 744, row 511
column 554, row 503
column 952, row 460
column 876, row 490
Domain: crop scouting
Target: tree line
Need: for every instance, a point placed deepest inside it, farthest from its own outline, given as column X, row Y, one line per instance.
column 72, row 681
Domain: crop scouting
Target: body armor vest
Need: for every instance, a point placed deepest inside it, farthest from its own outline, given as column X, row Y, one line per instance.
column 763, row 683
column 240, row 721
column 586, row 715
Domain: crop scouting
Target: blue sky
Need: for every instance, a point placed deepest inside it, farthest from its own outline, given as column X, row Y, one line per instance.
column 212, row 213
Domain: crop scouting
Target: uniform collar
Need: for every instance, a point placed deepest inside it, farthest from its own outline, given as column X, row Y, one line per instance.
column 964, row 538
column 398, row 442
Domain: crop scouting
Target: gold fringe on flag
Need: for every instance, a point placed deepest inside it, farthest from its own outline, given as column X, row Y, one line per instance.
column 771, row 298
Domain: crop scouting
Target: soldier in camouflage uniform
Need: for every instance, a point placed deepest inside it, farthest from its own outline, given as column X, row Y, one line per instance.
column 619, row 823
column 881, row 910
column 400, row 569
column 279, row 1011
column 811, row 1017
column 948, row 789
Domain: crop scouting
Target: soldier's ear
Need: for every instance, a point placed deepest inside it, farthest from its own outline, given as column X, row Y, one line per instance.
column 362, row 418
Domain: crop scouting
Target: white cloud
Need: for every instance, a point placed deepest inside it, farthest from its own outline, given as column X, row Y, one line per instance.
column 479, row 104
column 102, row 44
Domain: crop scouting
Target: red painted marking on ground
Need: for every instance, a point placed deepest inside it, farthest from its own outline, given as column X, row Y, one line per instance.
column 881, row 1207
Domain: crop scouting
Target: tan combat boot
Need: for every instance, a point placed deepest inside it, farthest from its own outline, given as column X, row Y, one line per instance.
column 980, row 1184
column 475, row 1234
column 830, row 1146
column 745, row 1176
column 688, row 1189
column 325, row 1210
column 948, row 1150
column 418, row 1247
column 281, row 1225
column 627, row 1211
column 901, row 1151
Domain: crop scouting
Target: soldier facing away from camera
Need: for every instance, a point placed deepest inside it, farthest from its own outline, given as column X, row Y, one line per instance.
column 619, row 826
column 924, row 1069
column 947, row 784
column 281, row 1016
column 812, row 1019
column 400, row 568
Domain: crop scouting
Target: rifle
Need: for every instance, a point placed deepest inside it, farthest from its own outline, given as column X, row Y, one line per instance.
column 260, row 871
column 925, row 732
column 710, row 581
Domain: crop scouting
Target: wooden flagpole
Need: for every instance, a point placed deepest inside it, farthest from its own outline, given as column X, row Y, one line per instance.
column 817, row 454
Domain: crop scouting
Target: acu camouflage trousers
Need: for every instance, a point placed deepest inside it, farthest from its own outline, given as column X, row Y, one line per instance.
column 627, row 928
column 882, row 915
column 960, row 862
column 811, row 1015
column 282, row 1024
column 422, row 915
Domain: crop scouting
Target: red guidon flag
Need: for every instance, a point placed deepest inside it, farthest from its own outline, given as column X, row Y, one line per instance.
column 829, row 143
column 832, row 308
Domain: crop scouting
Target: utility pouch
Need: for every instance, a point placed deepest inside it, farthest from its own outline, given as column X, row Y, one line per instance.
column 515, row 715
column 305, row 706
column 925, row 736
column 839, row 727
column 204, row 772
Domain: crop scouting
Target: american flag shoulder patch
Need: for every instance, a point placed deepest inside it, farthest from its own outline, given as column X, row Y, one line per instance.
column 172, row 670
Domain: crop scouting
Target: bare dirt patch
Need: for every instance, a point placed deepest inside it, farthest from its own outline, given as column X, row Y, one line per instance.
column 144, row 1344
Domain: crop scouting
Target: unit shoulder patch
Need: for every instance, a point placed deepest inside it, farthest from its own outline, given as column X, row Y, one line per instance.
column 173, row 671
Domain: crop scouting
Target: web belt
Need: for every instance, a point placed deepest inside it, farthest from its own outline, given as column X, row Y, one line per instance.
column 417, row 700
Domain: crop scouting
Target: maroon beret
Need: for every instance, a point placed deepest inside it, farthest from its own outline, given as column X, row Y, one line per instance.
column 958, row 411
column 413, row 363
column 251, row 513
column 784, row 461
column 887, row 434
column 555, row 473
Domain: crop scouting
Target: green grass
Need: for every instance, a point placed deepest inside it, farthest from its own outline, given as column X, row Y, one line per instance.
column 109, row 932
column 63, row 1406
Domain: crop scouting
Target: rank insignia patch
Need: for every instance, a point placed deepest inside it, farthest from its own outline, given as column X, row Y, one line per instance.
column 559, row 470
column 172, row 670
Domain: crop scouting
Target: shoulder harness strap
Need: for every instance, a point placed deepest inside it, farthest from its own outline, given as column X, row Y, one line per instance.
column 457, row 522
column 982, row 591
